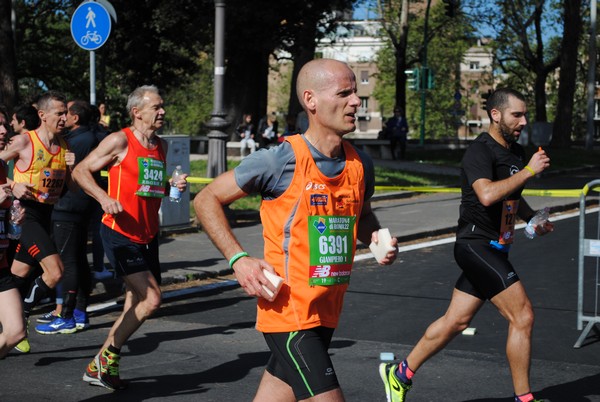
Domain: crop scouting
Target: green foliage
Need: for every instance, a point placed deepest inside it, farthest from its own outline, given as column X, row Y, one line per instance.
column 153, row 42
column 47, row 56
column 446, row 50
column 385, row 86
column 189, row 105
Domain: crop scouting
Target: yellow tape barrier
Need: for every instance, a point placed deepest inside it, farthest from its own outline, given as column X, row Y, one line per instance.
column 539, row 193
column 575, row 193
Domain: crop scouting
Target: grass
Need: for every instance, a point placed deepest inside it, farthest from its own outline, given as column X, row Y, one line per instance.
column 560, row 159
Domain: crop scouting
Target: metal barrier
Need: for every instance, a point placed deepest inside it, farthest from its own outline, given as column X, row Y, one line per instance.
column 588, row 247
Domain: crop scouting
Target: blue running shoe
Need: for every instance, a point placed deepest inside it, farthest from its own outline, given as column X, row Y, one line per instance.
column 47, row 318
column 81, row 320
column 58, row 326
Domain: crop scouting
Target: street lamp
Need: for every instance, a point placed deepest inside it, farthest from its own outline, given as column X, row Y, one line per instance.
column 217, row 138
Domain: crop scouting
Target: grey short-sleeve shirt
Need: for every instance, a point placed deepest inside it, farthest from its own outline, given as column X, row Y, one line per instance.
column 269, row 172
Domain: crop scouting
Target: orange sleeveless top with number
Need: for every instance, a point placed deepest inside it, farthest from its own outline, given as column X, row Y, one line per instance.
column 310, row 240
column 4, row 220
column 47, row 171
column 138, row 183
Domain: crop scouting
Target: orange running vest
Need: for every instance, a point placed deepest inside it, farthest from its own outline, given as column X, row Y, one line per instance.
column 4, row 212
column 138, row 183
column 310, row 239
column 46, row 171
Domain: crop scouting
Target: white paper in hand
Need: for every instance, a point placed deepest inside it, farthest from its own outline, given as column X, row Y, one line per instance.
column 384, row 244
column 276, row 280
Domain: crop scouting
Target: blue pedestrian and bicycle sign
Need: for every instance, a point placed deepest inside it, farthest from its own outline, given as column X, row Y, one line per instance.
column 90, row 25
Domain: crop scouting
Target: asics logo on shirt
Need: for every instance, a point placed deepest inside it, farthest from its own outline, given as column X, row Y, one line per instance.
column 315, row 186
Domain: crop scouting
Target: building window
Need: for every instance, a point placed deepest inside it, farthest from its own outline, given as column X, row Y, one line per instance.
column 364, row 77
column 473, row 65
column 364, row 102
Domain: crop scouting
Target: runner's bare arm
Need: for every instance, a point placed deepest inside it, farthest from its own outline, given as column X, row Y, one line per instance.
column 19, row 149
column 208, row 205
column 109, row 152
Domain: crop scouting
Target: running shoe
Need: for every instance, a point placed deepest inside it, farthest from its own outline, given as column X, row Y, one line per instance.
column 108, row 370
column 47, row 318
column 23, row 346
column 395, row 390
column 58, row 326
column 91, row 374
column 81, row 319
column 104, row 274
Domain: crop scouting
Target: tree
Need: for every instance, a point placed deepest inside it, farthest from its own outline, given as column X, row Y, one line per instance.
column 562, row 129
column 8, row 79
column 270, row 28
column 394, row 20
column 161, row 43
column 522, row 48
column 447, row 41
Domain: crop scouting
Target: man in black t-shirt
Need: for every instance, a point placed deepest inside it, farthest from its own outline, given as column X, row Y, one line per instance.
column 493, row 176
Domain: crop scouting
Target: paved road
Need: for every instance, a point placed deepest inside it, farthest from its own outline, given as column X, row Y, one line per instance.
column 202, row 346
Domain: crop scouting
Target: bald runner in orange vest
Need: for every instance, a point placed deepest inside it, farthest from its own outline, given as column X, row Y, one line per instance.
column 315, row 191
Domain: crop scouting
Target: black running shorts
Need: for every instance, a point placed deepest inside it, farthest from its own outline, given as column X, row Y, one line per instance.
column 35, row 243
column 486, row 271
column 6, row 280
column 301, row 360
column 127, row 257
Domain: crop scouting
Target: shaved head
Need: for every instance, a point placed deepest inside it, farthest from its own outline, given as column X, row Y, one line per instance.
column 317, row 75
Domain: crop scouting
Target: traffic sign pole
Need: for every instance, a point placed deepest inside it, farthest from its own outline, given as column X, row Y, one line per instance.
column 90, row 28
column 92, row 77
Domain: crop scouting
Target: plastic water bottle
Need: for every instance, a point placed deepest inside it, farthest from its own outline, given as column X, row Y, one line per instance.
column 14, row 228
column 174, row 193
column 540, row 218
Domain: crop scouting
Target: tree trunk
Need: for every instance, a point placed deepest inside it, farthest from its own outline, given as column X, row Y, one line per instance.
column 303, row 53
column 245, row 76
column 8, row 76
column 400, row 53
column 540, row 96
column 561, row 131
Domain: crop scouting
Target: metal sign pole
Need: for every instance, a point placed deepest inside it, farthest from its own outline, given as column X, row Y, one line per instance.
column 92, row 77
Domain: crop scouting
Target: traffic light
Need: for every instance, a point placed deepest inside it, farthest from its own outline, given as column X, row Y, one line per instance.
column 428, row 78
column 451, row 7
column 413, row 79
column 485, row 97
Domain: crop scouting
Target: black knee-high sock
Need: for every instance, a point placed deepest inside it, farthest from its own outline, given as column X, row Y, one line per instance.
column 37, row 292
column 69, row 300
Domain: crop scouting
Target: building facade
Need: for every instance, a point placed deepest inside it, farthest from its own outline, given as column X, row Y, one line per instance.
column 357, row 44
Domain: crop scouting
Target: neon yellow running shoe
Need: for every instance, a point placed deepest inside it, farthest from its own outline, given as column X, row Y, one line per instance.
column 23, row 346
column 395, row 390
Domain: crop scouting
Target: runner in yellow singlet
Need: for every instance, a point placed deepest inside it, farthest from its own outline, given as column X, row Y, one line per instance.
column 40, row 174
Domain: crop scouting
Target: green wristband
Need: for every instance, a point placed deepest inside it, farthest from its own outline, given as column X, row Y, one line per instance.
column 236, row 257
